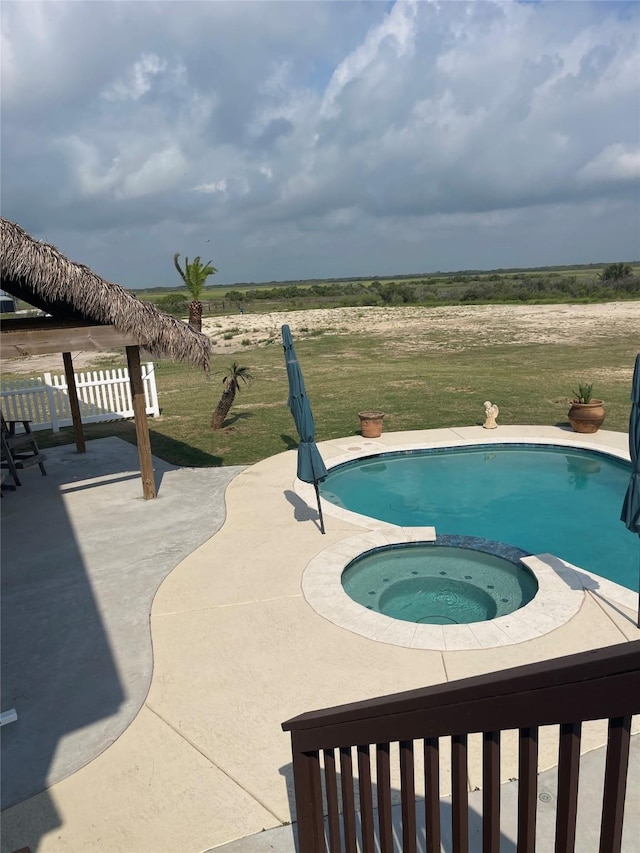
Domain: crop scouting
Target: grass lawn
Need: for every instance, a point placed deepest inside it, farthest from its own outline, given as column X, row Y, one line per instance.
column 416, row 388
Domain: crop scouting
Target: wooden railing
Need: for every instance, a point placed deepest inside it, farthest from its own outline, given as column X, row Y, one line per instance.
column 597, row 685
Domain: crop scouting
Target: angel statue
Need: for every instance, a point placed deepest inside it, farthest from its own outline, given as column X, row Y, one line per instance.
column 491, row 413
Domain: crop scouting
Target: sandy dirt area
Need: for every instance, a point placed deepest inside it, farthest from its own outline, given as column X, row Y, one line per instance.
column 438, row 328
column 491, row 323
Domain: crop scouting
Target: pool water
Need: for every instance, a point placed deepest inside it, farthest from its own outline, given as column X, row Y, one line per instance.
column 543, row 499
column 436, row 585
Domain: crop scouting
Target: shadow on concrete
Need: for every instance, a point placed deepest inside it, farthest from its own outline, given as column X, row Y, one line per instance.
column 82, row 557
column 301, row 510
column 588, row 823
column 58, row 670
column 126, row 478
column 613, row 606
column 474, row 817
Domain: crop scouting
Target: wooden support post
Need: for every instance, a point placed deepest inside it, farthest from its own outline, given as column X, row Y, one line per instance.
column 308, row 790
column 73, row 402
column 142, row 428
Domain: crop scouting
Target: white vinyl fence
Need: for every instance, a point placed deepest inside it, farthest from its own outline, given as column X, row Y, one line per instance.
column 103, row 395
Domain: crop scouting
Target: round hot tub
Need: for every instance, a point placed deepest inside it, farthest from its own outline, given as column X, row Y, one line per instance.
column 436, row 584
column 419, row 590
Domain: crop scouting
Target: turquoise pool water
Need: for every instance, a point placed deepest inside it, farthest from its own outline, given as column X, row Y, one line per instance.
column 540, row 498
column 436, row 585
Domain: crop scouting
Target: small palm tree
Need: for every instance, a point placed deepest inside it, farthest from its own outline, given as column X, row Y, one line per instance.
column 230, row 385
column 195, row 275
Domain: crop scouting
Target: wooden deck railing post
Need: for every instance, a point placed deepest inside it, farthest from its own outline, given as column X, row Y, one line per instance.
column 615, row 784
column 308, row 791
column 408, row 796
column 432, row 793
column 527, row 789
column 383, row 781
column 568, row 774
column 366, row 799
column 333, row 811
column 491, row 792
column 459, row 795
column 348, row 800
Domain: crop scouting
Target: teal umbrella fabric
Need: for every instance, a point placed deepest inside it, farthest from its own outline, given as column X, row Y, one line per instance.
column 631, row 506
column 311, row 468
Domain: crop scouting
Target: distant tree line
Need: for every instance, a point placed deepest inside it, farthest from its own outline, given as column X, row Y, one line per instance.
column 615, row 281
column 556, row 288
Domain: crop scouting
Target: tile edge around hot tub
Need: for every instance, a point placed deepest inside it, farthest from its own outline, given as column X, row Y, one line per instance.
column 561, row 593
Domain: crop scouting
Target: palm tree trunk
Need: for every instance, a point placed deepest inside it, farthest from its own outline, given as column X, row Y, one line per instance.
column 222, row 409
column 195, row 315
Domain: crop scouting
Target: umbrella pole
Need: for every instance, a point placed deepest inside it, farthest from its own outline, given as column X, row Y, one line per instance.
column 315, row 486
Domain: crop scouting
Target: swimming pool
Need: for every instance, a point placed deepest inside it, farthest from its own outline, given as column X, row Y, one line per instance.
column 540, row 498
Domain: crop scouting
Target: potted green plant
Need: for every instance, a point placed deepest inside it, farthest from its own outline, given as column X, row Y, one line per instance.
column 586, row 414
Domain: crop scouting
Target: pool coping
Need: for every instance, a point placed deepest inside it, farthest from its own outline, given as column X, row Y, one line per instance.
column 561, row 585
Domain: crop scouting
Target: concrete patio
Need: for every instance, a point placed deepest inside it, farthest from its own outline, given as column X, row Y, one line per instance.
column 163, row 733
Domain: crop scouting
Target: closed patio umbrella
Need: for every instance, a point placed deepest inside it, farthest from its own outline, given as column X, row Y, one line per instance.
column 311, row 468
column 631, row 506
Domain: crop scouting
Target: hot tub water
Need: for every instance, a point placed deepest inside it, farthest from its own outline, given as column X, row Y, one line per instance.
column 438, row 584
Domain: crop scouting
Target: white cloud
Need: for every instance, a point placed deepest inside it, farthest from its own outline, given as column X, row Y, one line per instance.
column 213, row 187
column 137, row 81
column 128, row 174
column 345, row 122
column 160, row 172
column 397, row 29
column 615, row 163
column 92, row 177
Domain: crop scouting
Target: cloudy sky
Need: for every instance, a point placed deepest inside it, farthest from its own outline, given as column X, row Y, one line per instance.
column 313, row 139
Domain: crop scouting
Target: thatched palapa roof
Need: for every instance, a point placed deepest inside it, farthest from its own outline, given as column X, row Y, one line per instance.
column 43, row 277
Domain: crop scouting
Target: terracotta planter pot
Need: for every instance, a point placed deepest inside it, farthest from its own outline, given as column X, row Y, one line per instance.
column 586, row 417
column 371, row 424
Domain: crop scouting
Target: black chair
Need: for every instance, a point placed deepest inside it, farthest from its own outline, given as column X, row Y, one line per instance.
column 19, row 449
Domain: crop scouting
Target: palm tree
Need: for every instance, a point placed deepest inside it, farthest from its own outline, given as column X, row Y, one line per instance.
column 195, row 275
column 230, row 384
